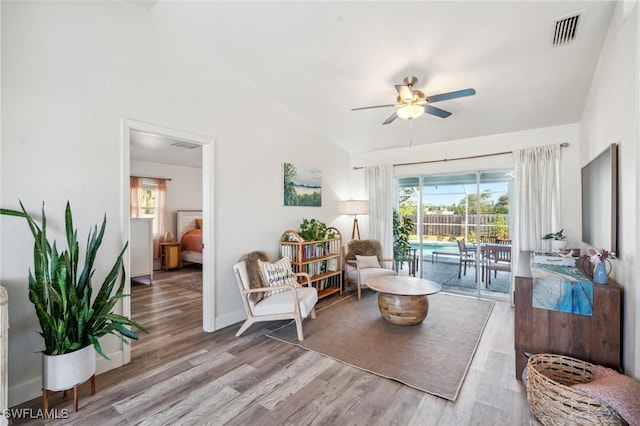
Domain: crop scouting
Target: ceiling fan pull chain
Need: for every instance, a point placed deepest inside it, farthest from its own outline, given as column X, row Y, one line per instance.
column 410, row 133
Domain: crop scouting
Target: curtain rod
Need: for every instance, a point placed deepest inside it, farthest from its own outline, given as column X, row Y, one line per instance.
column 149, row 177
column 562, row 145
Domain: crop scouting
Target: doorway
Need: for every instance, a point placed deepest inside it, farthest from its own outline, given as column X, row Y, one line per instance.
column 460, row 222
column 208, row 161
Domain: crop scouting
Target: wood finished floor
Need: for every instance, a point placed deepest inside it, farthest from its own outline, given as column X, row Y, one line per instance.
column 180, row 375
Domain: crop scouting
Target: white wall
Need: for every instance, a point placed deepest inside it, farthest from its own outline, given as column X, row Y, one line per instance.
column 184, row 190
column 70, row 73
column 570, row 170
column 611, row 116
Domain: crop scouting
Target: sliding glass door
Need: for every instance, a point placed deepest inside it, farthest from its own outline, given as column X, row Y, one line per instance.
column 458, row 220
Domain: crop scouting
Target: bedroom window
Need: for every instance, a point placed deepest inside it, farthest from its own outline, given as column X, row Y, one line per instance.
column 148, row 200
column 148, row 197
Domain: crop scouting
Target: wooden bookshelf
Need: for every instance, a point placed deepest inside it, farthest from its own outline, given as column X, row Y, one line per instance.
column 322, row 260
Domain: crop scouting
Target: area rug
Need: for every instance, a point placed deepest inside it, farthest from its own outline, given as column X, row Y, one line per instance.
column 433, row 356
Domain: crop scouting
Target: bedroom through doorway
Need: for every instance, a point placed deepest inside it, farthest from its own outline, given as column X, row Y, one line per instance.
column 173, row 171
column 166, row 190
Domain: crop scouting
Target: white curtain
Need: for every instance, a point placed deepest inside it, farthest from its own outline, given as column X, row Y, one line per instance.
column 537, row 196
column 379, row 184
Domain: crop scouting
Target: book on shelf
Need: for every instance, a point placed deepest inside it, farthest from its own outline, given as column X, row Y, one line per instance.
column 332, row 264
column 321, row 284
column 288, row 251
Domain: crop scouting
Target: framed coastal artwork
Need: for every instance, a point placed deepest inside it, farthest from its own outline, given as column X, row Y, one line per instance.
column 302, row 185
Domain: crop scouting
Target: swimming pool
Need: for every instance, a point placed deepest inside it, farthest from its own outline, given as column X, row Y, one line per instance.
column 429, row 247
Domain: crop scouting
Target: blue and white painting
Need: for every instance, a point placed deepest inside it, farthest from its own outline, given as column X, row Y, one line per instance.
column 561, row 288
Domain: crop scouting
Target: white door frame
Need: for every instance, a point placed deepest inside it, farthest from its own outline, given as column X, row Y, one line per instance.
column 208, row 258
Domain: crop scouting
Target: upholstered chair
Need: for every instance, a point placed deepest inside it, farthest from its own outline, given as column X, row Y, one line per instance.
column 364, row 260
column 271, row 292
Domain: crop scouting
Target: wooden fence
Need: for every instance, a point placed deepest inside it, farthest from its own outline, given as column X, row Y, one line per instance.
column 443, row 226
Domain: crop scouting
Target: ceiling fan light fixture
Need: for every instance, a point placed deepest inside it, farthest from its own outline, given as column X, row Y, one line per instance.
column 412, row 103
column 409, row 112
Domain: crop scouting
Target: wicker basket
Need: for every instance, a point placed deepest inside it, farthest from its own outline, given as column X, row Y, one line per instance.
column 554, row 402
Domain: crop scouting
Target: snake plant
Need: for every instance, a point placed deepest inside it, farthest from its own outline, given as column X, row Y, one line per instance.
column 70, row 318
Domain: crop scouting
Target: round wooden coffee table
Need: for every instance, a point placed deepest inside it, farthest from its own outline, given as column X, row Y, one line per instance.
column 403, row 300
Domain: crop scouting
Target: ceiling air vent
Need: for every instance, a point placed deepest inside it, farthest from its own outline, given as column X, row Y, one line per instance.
column 187, row 145
column 565, row 30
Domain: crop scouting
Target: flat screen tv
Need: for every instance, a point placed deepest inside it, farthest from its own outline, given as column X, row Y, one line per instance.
column 600, row 200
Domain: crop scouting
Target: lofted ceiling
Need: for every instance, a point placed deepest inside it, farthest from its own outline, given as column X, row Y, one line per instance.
column 320, row 59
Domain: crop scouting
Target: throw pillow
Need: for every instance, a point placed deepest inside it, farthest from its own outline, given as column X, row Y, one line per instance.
column 367, row 261
column 277, row 274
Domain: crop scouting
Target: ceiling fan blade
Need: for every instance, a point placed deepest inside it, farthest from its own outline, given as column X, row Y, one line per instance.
column 404, row 92
column 436, row 111
column 370, row 107
column 451, row 95
column 391, row 118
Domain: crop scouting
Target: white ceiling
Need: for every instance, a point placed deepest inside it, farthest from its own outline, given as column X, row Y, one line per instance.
column 320, row 59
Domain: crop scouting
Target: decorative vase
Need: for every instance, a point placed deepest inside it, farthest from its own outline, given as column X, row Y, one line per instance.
column 600, row 275
column 557, row 245
column 62, row 372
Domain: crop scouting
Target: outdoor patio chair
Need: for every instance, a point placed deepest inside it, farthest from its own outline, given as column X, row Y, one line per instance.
column 411, row 258
column 498, row 258
column 275, row 302
column 466, row 256
column 364, row 260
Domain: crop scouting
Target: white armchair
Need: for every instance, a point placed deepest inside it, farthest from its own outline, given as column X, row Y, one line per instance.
column 364, row 260
column 277, row 302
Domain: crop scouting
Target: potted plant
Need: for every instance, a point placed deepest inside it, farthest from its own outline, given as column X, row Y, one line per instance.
column 313, row 230
column 401, row 230
column 71, row 319
column 558, row 241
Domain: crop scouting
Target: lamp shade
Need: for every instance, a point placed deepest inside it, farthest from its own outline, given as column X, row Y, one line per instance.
column 354, row 207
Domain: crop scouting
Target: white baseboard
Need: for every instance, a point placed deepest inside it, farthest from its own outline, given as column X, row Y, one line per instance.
column 229, row 319
column 25, row 391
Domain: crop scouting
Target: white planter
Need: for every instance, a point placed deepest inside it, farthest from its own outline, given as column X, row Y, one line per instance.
column 559, row 244
column 62, row 372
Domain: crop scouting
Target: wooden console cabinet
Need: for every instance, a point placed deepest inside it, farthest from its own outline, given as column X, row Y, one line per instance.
column 596, row 339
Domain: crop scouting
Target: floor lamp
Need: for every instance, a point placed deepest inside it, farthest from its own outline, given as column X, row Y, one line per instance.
column 355, row 207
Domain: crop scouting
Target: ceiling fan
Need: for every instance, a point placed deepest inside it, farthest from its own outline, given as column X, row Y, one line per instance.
column 412, row 103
